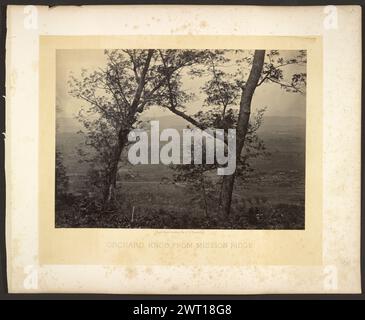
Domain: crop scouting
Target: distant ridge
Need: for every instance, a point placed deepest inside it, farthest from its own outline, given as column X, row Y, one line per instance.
column 270, row 124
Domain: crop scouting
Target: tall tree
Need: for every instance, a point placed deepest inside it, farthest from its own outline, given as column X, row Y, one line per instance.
column 132, row 81
column 114, row 95
column 248, row 90
column 223, row 90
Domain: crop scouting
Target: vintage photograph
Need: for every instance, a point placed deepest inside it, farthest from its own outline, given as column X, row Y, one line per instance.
column 180, row 139
column 164, row 152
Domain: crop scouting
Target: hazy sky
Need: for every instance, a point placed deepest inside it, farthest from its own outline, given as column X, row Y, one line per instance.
column 278, row 101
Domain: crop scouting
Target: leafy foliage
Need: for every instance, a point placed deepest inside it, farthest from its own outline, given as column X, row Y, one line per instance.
column 62, row 180
column 130, row 83
column 81, row 212
column 273, row 71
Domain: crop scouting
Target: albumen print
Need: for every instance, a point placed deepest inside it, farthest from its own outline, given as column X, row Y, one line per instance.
column 181, row 105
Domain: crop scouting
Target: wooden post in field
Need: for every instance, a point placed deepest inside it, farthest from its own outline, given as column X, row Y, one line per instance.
column 132, row 214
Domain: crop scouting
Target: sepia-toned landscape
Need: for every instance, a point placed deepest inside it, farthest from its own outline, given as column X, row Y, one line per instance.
column 102, row 96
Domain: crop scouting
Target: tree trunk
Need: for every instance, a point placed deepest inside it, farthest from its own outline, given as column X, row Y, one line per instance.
column 109, row 189
column 227, row 190
column 202, row 184
column 242, row 125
